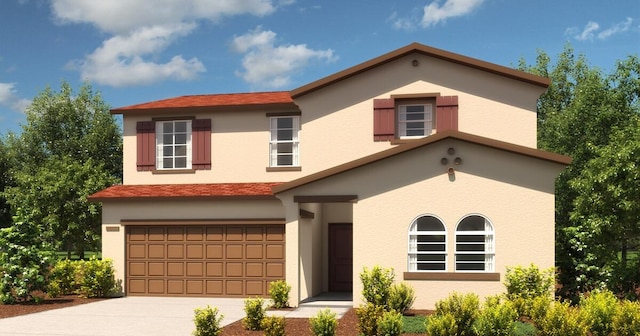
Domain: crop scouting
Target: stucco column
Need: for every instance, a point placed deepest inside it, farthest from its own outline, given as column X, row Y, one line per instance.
column 292, row 247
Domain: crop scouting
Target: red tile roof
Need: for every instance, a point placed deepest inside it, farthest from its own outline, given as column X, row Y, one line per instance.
column 230, row 99
column 166, row 191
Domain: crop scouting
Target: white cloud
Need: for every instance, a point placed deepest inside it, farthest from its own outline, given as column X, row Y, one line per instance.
column 119, row 61
column 591, row 30
column 123, row 16
column 140, row 30
column 269, row 65
column 616, row 29
column 435, row 13
column 9, row 97
column 402, row 23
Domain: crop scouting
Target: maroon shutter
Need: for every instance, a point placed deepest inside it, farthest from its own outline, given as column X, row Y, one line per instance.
column 384, row 120
column 446, row 113
column 146, row 145
column 201, row 144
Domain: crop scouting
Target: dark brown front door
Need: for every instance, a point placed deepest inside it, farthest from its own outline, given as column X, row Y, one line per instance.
column 341, row 257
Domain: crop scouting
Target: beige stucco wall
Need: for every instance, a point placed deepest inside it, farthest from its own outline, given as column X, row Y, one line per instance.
column 113, row 242
column 337, row 121
column 513, row 191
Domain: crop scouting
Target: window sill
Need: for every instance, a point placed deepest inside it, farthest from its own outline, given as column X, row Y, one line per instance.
column 457, row 276
column 173, row 171
column 284, row 169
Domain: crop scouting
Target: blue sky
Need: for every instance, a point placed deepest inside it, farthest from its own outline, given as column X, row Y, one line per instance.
column 134, row 51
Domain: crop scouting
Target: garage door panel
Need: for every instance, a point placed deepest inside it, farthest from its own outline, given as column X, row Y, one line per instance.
column 175, row 269
column 156, row 269
column 255, row 234
column 195, row 233
column 215, row 233
column 137, row 268
column 175, row 233
column 214, row 251
column 195, row 251
column 234, row 252
column 254, row 287
column 215, row 269
column 175, row 251
column 215, row 260
column 233, row 269
column 194, row 269
column 254, row 270
column 254, row 251
column 156, row 251
column 234, row 233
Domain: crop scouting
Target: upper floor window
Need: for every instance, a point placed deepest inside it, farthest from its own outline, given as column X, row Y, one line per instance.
column 283, row 146
column 415, row 120
column 173, row 145
column 173, row 139
column 427, row 245
column 474, row 244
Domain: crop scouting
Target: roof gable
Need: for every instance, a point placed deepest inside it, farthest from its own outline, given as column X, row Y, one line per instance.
column 425, row 50
column 406, row 147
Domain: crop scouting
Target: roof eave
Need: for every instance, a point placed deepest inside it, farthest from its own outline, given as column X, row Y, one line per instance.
column 267, row 107
column 409, row 146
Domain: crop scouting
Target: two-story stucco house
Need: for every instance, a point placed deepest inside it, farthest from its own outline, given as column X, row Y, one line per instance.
column 421, row 160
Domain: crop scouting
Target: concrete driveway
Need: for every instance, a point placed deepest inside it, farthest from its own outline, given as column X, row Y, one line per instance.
column 140, row 316
column 122, row 316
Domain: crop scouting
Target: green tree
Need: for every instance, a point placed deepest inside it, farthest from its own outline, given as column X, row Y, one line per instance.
column 69, row 148
column 607, row 204
column 576, row 116
column 57, row 194
column 5, row 213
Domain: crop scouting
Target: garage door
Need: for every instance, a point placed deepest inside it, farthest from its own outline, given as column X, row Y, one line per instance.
column 210, row 260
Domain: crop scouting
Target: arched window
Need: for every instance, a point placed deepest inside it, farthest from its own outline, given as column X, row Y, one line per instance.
column 474, row 245
column 427, row 245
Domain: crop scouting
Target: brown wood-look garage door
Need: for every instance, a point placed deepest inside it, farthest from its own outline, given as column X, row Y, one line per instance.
column 213, row 260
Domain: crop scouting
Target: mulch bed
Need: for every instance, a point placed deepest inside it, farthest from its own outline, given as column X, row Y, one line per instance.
column 48, row 304
column 347, row 326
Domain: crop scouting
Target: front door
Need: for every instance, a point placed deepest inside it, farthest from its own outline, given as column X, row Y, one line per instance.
column 340, row 257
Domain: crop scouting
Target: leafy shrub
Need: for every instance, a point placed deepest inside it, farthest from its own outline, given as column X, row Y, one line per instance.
column 442, row 325
column 598, row 310
column 255, row 311
column 538, row 307
column 463, row 308
column 96, row 278
column 207, row 322
column 24, row 267
column 627, row 320
column 497, row 318
column 368, row 316
column 401, row 297
column 562, row 320
column 376, row 285
column 279, row 292
column 524, row 284
column 324, row 323
column 63, row 278
column 273, row 325
column 390, row 324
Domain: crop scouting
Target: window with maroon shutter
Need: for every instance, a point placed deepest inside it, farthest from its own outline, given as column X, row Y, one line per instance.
column 446, row 113
column 411, row 116
column 384, row 120
column 146, row 145
column 201, row 133
column 167, row 145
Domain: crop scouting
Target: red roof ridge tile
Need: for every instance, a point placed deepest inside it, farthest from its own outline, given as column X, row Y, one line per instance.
column 190, row 190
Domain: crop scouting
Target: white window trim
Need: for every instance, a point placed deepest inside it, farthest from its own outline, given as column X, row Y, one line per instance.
column 160, row 145
column 412, row 266
column 273, row 142
column 428, row 123
column 489, row 241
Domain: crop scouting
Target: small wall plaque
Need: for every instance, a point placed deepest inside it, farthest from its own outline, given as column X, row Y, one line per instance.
column 113, row 228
